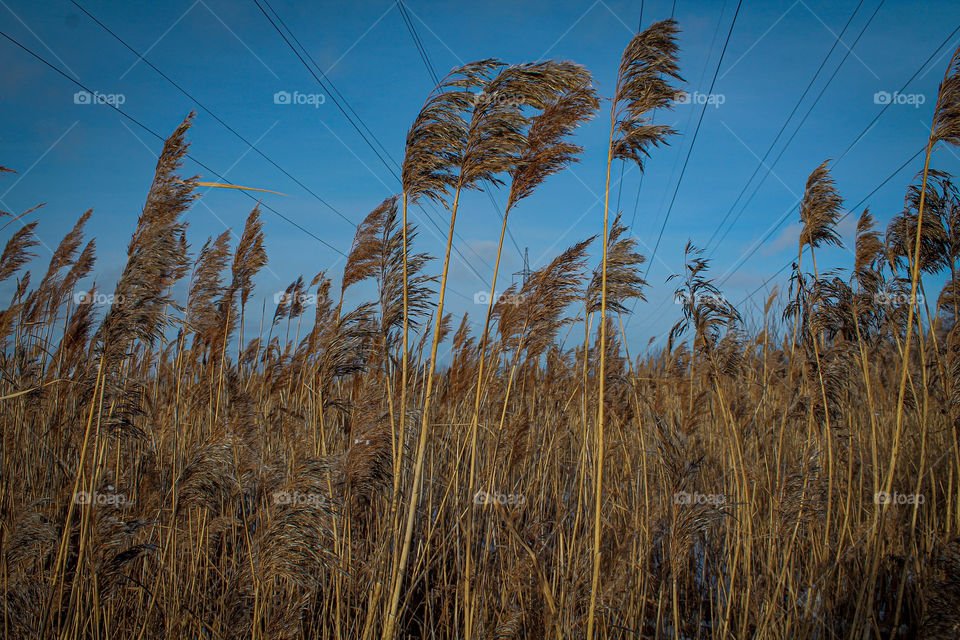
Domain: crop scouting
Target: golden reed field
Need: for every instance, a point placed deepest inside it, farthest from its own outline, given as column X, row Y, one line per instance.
column 787, row 475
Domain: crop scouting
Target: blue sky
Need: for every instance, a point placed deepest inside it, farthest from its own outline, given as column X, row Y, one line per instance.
column 77, row 156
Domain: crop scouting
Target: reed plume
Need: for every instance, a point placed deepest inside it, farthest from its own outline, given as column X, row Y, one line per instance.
column 946, row 113
column 206, row 287
column 623, row 273
column 248, row 259
column 902, row 229
column 365, row 254
column 156, row 256
column 703, row 305
column 646, row 66
column 389, row 271
column 819, row 211
column 52, row 289
column 868, row 254
column 546, row 296
column 16, row 252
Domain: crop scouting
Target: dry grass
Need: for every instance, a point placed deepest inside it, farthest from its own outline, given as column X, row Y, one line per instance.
column 328, row 479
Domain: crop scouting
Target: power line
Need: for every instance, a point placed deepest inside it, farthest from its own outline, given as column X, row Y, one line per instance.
column 839, row 220
column 796, row 106
column 855, row 141
column 636, row 201
column 422, row 50
column 162, row 139
column 797, row 130
column 220, row 120
column 335, row 94
column 849, row 147
column 418, row 43
column 332, row 88
column 865, row 129
column 773, row 230
column 693, row 140
column 224, row 124
column 329, row 90
column 696, row 131
column 210, row 113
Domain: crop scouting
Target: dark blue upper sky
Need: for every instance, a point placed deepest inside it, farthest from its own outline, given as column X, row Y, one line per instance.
column 77, row 156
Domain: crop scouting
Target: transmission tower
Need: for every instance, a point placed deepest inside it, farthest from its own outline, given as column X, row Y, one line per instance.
column 525, row 273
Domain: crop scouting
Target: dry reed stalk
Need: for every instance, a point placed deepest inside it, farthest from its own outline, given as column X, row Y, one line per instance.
column 640, row 88
column 543, row 153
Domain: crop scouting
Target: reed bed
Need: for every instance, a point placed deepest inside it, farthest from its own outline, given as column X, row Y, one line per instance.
column 793, row 474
